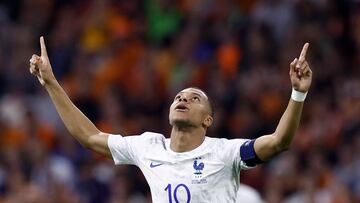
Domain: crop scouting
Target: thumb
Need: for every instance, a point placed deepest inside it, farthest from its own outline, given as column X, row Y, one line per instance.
column 292, row 66
column 43, row 47
column 41, row 80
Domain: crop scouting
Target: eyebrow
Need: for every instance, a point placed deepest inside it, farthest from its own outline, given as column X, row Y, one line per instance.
column 200, row 95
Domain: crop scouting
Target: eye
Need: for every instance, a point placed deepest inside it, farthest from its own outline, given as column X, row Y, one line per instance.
column 196, row 98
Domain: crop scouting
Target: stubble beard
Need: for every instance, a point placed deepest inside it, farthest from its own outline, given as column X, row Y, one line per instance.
column 182, row 124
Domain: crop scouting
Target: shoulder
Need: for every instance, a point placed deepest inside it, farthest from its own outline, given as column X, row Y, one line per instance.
column 224, row 142
column 142, row 139
column 152, row 136
column 150, row 139
column 227, row 149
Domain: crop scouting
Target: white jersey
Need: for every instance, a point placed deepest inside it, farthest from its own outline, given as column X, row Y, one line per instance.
column 209, row 173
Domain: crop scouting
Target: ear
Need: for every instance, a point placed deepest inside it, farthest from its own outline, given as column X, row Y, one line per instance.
column 208, row 121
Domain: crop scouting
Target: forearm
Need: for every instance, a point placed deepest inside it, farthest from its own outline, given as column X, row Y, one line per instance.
column 288, row 125
column 79, row 126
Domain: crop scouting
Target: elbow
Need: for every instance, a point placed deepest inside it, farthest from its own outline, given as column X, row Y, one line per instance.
column 86, row 138
column 281, row 148
column 83, row 139
column 93, row 140
column 86, row 144
column 283, row 145
column 89, row 142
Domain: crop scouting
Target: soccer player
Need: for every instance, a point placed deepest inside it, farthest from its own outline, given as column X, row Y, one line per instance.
column 190, row 166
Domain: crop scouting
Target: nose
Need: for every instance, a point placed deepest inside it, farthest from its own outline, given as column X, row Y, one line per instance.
column 183, row 98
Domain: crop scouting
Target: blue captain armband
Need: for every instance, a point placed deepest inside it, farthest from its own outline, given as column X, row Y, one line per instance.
column 248, row 155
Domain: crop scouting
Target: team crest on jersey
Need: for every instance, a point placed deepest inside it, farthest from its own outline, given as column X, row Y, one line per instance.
column 198, row 167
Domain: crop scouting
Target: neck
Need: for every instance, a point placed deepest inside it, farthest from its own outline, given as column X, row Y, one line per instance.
column 186, row 139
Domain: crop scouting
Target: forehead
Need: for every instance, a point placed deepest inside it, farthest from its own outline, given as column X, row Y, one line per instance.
column 194, row 91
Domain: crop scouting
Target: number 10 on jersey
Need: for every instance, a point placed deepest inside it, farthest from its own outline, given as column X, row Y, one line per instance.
column 174, row 194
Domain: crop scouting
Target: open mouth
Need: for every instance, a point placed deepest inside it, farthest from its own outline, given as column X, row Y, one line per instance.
column 181, row 108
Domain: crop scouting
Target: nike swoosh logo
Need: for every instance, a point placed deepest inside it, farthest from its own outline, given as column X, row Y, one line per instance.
column 152, row 165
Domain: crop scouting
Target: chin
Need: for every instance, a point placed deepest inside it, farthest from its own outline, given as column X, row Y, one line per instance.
column 180, row 122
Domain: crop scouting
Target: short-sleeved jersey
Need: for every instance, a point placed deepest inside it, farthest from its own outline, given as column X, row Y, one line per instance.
column 209, row 173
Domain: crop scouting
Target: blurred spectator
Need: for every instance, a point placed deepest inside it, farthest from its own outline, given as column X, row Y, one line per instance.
column 248, row 194
column 122, row 62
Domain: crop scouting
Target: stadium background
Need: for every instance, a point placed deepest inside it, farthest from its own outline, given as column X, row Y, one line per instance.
column 122, row 62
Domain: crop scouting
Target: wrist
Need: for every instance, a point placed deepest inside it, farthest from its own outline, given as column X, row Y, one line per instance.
column 298, row 96
column 51, row 83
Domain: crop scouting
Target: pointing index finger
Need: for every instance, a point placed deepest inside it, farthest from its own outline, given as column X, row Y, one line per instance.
column 43, row 47
column 303, row 52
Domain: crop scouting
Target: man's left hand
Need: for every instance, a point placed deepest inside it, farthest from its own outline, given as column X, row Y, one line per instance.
column 300, row 72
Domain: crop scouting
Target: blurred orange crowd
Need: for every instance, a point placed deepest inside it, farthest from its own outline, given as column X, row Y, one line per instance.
column 121, row 62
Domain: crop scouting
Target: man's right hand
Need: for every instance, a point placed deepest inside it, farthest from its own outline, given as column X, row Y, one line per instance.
column 40, row 65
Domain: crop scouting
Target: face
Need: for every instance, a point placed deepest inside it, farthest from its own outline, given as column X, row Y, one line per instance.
column 190, row 108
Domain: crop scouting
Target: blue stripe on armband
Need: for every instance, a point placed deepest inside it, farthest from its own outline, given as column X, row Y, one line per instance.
column 248, row 155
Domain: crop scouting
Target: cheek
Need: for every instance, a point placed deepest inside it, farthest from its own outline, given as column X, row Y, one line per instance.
column 198, row 113
column 171, row 108
column 203, row 114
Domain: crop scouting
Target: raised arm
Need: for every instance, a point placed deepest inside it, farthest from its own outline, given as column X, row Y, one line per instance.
column 79, row 126
column 300, row 73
